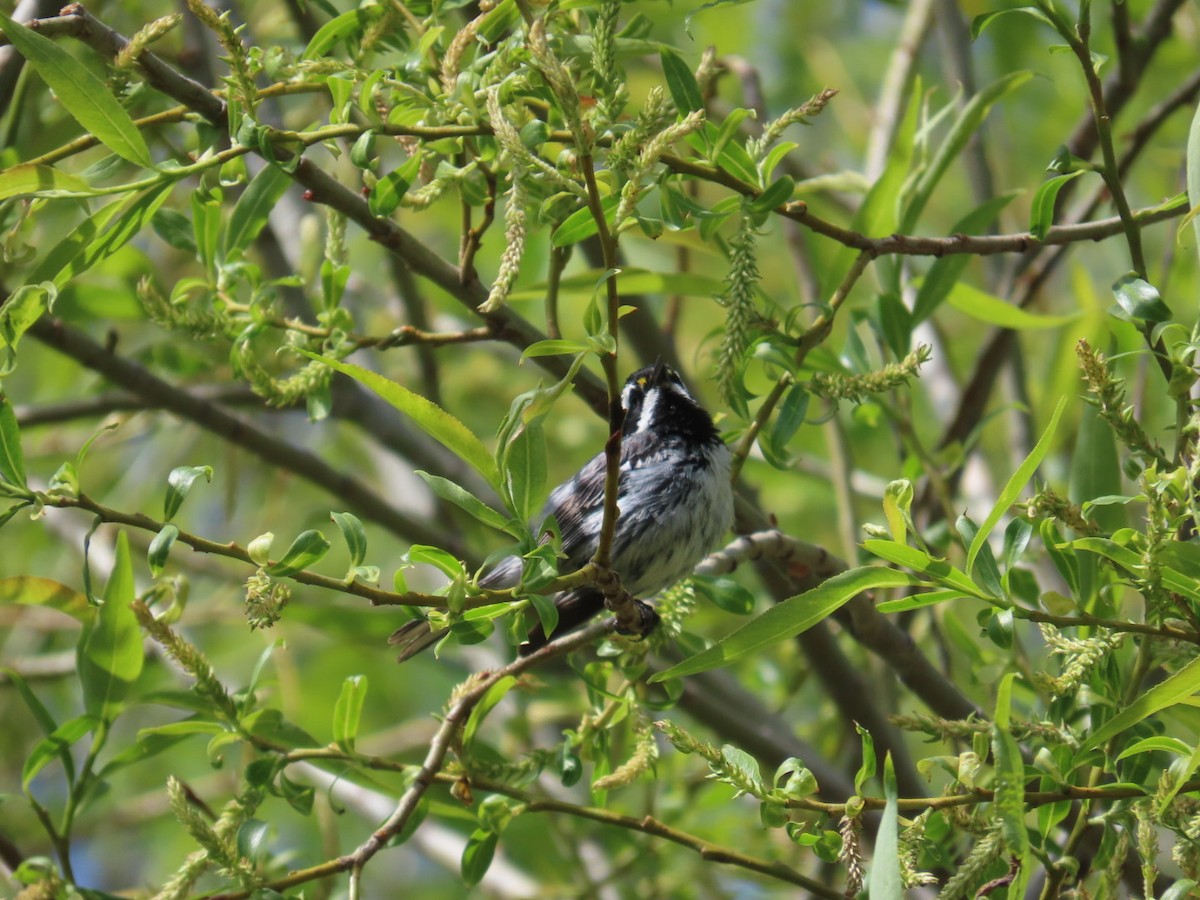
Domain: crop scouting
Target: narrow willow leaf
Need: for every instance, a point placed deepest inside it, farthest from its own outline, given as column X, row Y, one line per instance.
column 1176, row 689
column 253, row 209
column 472, row 505
column 12, row 460
column 83, row 95
column 354, row 534
column 989, row 308
column 42, row 716
column 1041, row 213
column 54, row 746
column 341, row 28
column 552, row 347
column 308, row 548
column 1193, row 173
column 347, row 712
column 1016, row 484
column 685, row 92
column 1159, row 742
column 979, row 23
column 525, row 466
column 885, row 881
column 986, row 573
column 41, row 181
column 916, row 601
column 938, row 570
column 788, row 619
column 179, row 485
column 110, row 650
column 33, row 591
column 432, row 419
column 582, row 224
column 779, row 193
column 160, row 548
column 1009, row 799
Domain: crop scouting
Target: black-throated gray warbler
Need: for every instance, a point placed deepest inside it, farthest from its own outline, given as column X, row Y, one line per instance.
column 675, row 502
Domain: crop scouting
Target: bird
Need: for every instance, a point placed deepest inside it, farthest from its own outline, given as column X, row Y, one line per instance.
column 675, row 498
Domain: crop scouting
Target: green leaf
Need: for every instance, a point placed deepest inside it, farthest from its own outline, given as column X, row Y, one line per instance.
column 83, row 95
column 991, row 309
column 472, row 505
column 23, row 307
column 341, row 28
column 1016, row 484
column 1159, row 742
column 432, row 419
column 788, row 619
column 938, row 570
column 979, row 23
column 866, row 771
column 724, row 593
column 1139, row 299
column 525, row 467
column 252, row 839
column 916, row 601
column 54, row 746
column 1009, row 799
column 581, row 224
column 477, row 855
column 390, row 189
column 41, row 181
column 253, row 209
column 1193, row 173
column 986, row 572
column 897, row 502
column 12, row 460
column 309, row 547
column 32, row 591
column 556, row 347
column 885, row 881
column 1041, row 213
column 435, row 556
column 347, row 712
column 110, row 649
column 160, row 548
column 1176, row 689
column 685, row 92
column 486, row 704
column 354, row 534
column 779, row 193
column 179, row 484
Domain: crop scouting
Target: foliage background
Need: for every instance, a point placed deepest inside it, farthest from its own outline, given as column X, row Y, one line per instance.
column 958, row 433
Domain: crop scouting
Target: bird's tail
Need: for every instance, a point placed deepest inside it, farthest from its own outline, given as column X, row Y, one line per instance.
column 415, row 637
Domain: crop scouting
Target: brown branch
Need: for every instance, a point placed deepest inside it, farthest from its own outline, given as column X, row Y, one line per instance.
column 231, row 550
